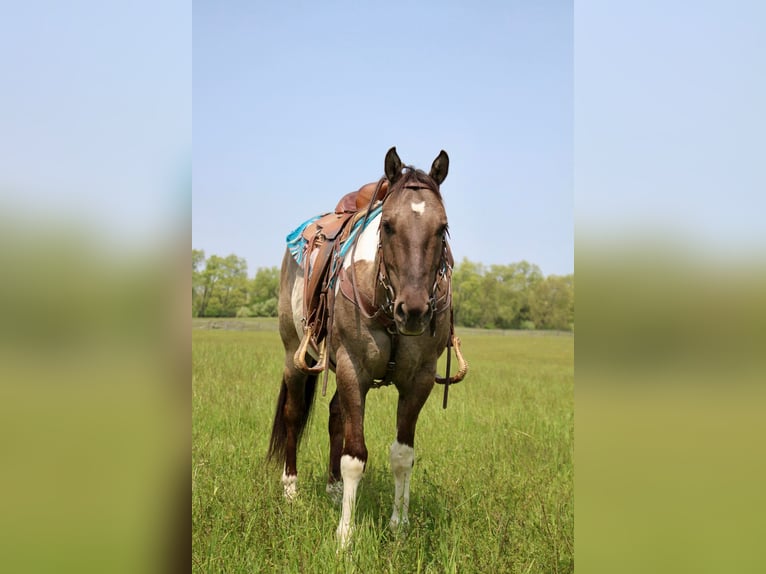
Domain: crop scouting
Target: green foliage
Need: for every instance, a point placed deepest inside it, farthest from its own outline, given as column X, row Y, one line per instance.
column 220, row 288
column 244, row 311
column 492, row 485
column 513, row 296
column 264, row 292
column 552, row 302
column 267, row 308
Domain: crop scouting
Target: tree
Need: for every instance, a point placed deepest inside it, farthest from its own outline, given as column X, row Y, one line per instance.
column 513, row 296
column 198, row 260
column 264, row 292
column 467, row 293
column 496, row 297
column 223, row 285
column 552, row 303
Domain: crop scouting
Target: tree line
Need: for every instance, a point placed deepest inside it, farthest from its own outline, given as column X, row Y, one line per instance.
column 513, row 296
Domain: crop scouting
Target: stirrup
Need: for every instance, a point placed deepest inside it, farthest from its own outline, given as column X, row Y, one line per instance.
column 462, row 366
column 299, row 359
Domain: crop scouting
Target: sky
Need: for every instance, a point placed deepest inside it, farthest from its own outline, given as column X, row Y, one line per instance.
column 626, row 115
column 296, row 104
column 95, row 115
column 670, row 123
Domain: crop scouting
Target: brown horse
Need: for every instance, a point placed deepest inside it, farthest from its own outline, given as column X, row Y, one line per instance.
column 392, row 321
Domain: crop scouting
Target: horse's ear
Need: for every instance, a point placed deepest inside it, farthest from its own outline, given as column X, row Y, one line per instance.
column 393, row 166
column 440, row 167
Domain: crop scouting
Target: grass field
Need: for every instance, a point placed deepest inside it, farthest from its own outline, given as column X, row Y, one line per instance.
column 491, row 491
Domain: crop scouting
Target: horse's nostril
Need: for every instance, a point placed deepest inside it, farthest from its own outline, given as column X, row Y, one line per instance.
column 409, row 312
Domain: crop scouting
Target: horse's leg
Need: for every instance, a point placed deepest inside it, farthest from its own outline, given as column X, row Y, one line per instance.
column 335, row 428
column 354, row 453
column 411, row 401
column 296, row 398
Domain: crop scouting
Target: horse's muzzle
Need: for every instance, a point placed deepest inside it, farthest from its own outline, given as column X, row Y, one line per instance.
column 412, row 319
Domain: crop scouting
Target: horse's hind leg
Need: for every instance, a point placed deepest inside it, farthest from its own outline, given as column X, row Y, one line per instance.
column 335, row 429
column 296, row 398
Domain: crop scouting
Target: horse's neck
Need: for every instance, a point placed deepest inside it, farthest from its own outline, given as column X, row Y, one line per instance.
column 366, row 250
column 366, row 247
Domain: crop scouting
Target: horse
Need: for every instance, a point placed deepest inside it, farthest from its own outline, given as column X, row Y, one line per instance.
column 392, row 320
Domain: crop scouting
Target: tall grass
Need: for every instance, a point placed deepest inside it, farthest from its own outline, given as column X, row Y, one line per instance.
column 491, row 491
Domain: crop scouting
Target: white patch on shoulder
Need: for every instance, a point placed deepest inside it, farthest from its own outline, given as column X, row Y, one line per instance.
column 367, row 245
column 419, row 207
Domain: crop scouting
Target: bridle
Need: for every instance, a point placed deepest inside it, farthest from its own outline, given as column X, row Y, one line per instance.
column 436, row 305
column 384, row 312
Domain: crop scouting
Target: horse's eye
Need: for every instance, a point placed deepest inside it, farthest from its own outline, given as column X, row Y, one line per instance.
column 442, row 231
column 388, row 228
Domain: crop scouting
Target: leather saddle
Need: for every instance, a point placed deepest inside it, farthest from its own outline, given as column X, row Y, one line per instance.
column 324, row 238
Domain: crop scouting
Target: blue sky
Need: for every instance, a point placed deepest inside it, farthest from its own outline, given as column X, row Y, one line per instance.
column 659, row 126
column 95, row 114
column 670, row 129
column 296, row 104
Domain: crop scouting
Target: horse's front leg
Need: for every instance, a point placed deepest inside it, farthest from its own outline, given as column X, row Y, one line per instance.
column 335, row 430
column 354, row 457
column 411, row 400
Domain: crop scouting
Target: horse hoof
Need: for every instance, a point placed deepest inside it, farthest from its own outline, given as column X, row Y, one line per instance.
column 335, row 492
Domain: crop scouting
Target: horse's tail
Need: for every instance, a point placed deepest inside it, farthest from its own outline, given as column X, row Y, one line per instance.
column 278, row 442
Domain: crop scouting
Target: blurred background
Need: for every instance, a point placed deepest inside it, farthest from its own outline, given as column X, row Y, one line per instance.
column 95, row 185
column 670, row 256
column 95, row 203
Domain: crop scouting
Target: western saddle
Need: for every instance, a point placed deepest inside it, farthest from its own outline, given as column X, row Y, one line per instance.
column 324, row 238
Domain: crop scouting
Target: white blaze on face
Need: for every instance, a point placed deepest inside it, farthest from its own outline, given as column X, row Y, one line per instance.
column 419, row 207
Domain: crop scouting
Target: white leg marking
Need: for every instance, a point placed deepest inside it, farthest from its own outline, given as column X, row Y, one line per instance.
column 351, row 469
column 290, row 484
column 335, row 492
column 419, row 207
column 402, row 459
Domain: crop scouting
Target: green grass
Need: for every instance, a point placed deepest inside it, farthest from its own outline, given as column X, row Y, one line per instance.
column 491, row 491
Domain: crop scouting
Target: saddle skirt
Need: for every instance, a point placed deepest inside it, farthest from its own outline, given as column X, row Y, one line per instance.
column 319, row 245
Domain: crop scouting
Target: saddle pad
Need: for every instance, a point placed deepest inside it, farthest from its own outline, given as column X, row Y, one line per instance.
column 296, row 243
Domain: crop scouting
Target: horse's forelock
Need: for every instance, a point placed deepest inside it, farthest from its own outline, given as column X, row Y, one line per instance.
column 412, row 176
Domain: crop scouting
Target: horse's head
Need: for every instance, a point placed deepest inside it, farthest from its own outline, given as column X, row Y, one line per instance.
column 413, row 247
